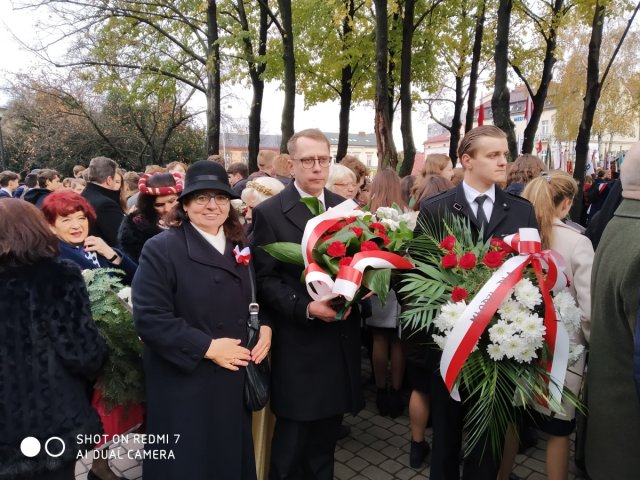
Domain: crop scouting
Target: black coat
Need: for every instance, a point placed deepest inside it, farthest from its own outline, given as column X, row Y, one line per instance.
column 50, row 351
column 315, row 365
column 134, row 233
column 108, row 212
column 37, row 196
column 510, row 212
column 186, row 293
column 76, row 255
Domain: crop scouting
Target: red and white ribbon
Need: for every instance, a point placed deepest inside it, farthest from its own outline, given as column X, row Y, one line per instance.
column 242, row 256
column 476, row 317
column 320, row 284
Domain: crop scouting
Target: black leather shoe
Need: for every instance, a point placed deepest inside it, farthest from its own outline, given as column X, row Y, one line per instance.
column 396, row 405
column 344, row 431
column 418, row 454
column 382, row 401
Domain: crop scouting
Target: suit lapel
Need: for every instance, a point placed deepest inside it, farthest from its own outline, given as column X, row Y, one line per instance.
column 462, row 207
column 294, row 210
column 201, row 251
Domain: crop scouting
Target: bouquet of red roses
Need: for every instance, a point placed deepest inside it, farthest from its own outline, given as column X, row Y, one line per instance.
column 348, row 252
column 498, row 311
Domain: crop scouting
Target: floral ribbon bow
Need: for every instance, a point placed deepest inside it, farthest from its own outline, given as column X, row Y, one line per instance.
column 476, row 317
column 319, row 283
column 242, row 256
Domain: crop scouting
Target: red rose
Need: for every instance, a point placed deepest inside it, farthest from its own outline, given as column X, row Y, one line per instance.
column 336, row 249
column 450, row 260
column 492, row 259
column 385, row 240
column 335, row 227
column 345, row 261
column 357, row 230
column 368, row 245
column 350, row 220
column 378, row 227
column 500, row 244
column 468, row 261
column 448, row 242
column 459, row 293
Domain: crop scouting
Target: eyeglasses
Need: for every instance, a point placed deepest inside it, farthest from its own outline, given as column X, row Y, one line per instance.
column 309, row 162
column 205, row 198
column 347, row 185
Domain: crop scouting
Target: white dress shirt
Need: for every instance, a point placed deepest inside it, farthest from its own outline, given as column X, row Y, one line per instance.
column 471, row 193
column 218, row 241
column 304, row 194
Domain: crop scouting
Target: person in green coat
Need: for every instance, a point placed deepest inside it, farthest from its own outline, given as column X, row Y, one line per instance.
column 613, row 430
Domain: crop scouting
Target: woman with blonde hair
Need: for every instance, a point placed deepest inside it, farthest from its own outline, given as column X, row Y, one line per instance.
column 257, row 191
column 552, row 196
column 343, row 181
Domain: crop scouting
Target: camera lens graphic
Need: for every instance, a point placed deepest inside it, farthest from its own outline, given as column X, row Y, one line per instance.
column 54, row 447
column 30, row 447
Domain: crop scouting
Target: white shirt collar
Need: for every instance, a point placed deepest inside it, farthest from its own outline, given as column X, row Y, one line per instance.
column 7, row 190
column 304, row 194
column 471, row 193
column 217, row 241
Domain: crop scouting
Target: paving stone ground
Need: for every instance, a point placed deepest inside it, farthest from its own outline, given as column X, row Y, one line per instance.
column 376, row 449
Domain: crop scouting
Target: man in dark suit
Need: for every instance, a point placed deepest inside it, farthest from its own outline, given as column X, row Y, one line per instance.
column 483, row 154
column 103, row 195
column 315, row 358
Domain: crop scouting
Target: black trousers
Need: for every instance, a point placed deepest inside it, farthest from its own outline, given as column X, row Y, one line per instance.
column 447, row 422
column 304, row 450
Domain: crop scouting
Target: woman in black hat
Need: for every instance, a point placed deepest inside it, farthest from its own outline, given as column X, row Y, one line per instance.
column 191, row 296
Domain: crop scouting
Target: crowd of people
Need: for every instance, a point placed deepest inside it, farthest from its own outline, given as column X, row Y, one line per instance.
column 177, row 233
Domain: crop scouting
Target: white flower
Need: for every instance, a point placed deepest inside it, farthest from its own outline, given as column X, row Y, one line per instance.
column 411, row 218
column 125, row 295
column 441, row 322
column 391, row 224
column 567, row 311
column 513, row 347
column 440, row 340
column 508, row 309
column 527, row 293
column 500, row 332
column 527, row 354
column 533, row 329
column 88, row 275
column 495, row 352
column 575, row 352
column 389, row 213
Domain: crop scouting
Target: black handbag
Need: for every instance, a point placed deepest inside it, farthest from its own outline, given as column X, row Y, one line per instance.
column 257, row 379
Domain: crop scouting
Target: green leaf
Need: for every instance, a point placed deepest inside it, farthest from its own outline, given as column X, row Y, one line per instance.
column 313, row 204
column 287, row 252
column 378, row 280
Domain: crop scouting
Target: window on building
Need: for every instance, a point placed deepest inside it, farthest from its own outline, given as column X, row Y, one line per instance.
column 544, row 128
column 369, row 159
column 244, row 157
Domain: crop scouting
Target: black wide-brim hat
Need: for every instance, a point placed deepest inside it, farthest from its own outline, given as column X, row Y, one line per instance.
column 206, row 175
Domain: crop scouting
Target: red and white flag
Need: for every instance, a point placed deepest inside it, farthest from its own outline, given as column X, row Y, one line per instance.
column 481, row 114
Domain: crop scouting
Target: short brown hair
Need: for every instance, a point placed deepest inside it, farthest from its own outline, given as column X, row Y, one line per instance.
column 468, row 143
column 281, row 165
column 216, row 158
column 238, row 167
column 8, row 176
column 312, row 133
column 25, row 236
column 77, row 169
column 359, row 168
column 525, row 168
column 46, row 175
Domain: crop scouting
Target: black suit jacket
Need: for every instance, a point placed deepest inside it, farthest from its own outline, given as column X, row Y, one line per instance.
column 109, row 214
column 315, row 365
column 509, row 213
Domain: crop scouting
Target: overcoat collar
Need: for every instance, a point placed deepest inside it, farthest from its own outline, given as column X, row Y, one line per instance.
column 199, row 250
column 296, row 211
column 499, row 213
column 629, row 208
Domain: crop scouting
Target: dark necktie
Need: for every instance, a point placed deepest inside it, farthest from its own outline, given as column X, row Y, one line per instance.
column 482, row 219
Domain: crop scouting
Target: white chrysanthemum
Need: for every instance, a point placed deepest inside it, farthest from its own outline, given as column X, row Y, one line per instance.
column 495, row 352
column 390, row 224
column 501, row 332
column 389, row 213
column 442, row 323
column 527, row 293
column 567, row 311
column 411, row 219
column 527, row 354
column 440, row 340
column 512, row 347
column 575, row 352
column 520, row 317
column 533, row 329
column 88, row 275
column 508, row 308
column 358, row 213
column 125, row 295
column 563, row 300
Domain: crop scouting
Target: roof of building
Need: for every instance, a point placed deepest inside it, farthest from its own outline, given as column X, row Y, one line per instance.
column 270, row 141
column 360, row 139
column 443, row 137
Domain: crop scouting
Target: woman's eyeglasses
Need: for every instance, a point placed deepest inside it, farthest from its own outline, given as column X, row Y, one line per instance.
column 205, row 198
column 309, row 162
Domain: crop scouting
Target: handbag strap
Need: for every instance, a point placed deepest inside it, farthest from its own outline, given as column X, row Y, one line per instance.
column 254, row 308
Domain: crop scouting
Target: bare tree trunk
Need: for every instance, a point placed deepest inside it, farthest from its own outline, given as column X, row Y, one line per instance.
column 346, row 89
column 406, row 105
column 475, row 67
column 382, row 123
column 288, row 109
column 456, row 122
column 213, row 81
column 500, row 98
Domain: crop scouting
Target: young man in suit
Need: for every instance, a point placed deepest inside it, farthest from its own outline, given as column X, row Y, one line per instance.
column 483, row 153
column 315, row 358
